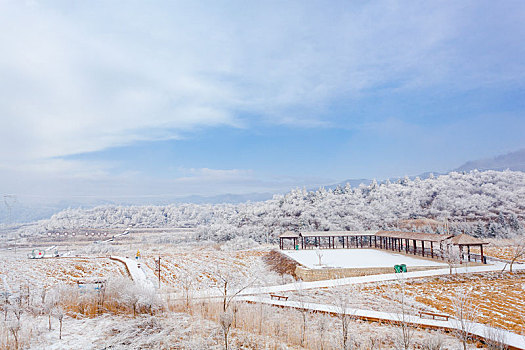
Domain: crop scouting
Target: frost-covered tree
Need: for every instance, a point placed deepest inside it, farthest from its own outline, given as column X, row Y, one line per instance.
column 465, row 313
column 486, row 204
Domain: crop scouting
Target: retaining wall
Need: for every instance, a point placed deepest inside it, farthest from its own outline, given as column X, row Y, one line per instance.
column 309, row 275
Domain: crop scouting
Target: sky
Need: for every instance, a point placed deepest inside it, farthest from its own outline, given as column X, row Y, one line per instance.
column 121, row 99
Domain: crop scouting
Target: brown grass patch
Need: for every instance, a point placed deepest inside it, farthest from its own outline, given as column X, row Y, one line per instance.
column 280, row 263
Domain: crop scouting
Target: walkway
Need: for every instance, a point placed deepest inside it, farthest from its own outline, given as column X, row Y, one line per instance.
column 136, row 271
column 513, row 340
column 291, row 287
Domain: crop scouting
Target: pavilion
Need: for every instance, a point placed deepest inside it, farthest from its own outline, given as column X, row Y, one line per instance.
column 429, row 245
column 464, row 240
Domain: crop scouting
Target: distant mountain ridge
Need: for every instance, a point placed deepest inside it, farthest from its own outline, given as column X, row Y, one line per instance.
column 31, row 212
column 513, row 161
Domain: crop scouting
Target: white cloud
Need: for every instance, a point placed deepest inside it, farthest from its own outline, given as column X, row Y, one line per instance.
column 81, row 77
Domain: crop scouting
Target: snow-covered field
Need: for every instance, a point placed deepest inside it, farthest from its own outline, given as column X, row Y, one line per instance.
column 202, row 266
column 18, row 270
column 497, row 298
column 355, row 258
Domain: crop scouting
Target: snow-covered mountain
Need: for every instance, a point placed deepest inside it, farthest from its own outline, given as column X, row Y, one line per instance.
column 512, row 161
column 27, row 212
column 483, row 203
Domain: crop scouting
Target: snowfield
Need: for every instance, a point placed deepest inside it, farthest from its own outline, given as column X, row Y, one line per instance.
column 356, row 258
column 17, row 271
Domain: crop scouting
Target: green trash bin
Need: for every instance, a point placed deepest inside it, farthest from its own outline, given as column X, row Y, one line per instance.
column 297, row 247
column 403, row 267
column 397, row 268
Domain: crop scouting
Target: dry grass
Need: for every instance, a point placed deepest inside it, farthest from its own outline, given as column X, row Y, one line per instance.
column 281, row 263
column 498, row 297
column 201, row 264
column 275, row 327
column 51, row 271
column 504, row 252
column 118, row 297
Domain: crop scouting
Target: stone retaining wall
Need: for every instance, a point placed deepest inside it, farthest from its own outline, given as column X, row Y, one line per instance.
column 309, row 275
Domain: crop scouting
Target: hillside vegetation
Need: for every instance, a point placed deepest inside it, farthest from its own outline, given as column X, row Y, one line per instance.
column 485, row 204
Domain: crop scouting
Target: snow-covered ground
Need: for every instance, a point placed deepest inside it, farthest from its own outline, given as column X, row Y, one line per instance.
column 515, row 340
column 355, row 258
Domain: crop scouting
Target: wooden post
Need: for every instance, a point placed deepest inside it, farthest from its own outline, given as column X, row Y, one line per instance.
column 432, row 249
column 423, row 248
column 481, row 248
column 468, row 252
column 157, row 268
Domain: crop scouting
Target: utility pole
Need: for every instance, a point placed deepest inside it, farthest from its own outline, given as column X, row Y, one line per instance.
column 157, row 268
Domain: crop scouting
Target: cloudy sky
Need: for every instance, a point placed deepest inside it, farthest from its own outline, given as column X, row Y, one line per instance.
column 135, row 98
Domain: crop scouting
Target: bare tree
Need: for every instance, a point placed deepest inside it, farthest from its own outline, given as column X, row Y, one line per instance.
column 516, row 249
column 230, row 285
column 14, row 328
column 465, row 315
column 130, row 294
column 226, row 320
column 187, row 281
column 59, row 313
column 319, row 254
column 303, row 310
column 452, row 256
column 342, row 303
column 406, row 331
column 101, row 298
column 5, row 303
column 49, row 300
column 321, row 326
column 14, row 324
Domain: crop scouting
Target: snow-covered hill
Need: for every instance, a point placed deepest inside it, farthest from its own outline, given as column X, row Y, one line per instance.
column 483, row 203
column 512, row 161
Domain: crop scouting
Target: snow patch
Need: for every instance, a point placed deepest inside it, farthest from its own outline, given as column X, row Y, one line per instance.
column 356, row 258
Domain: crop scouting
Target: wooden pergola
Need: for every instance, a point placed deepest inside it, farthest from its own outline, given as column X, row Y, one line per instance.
column 417, row 243
column 464, row 240
column 288, row 235
column 336, row 239
column 429, row 245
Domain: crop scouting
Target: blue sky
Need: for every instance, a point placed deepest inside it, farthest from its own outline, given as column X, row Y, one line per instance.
column 126, row 98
